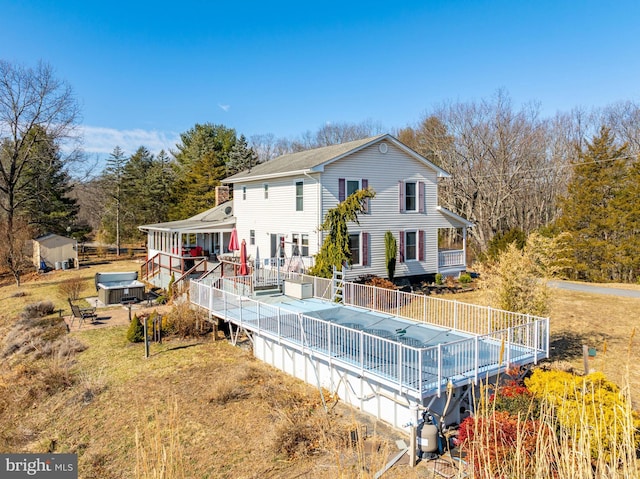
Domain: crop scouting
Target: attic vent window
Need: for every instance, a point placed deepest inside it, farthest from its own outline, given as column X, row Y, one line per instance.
column 383, row 148
column 227, row 210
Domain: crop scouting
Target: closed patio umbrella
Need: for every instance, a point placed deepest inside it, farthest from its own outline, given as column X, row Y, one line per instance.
column 233, row 241
column 244, row 271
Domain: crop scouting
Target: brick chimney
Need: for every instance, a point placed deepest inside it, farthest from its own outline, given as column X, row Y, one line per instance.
column 222, row 194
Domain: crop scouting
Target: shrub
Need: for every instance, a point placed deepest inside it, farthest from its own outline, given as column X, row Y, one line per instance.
column 438, row 279
column 380, row 283
column 170, row 292
column 465, row 278
column 186, row 322
column 516, row 400
column 70, row 288
column 492, row 442
column 390, row 253
column 135, row 333
column 587, row 405
column 38, row 310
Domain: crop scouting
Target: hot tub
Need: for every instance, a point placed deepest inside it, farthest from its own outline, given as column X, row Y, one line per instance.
column 113, row 287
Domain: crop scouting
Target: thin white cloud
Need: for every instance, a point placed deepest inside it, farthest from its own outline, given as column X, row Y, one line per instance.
column 103, row 140
column 224, row 107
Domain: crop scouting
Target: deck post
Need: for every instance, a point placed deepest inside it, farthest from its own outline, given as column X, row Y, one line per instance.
column 477, row 359
column 439, row 368
column 455, row 314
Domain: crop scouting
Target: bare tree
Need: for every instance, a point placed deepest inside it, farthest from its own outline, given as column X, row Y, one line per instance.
column 34, row 106
column 498, row 160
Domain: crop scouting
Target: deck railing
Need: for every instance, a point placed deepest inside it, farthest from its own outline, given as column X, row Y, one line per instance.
column 450, row 258
column 447, row 313
column 393, row 359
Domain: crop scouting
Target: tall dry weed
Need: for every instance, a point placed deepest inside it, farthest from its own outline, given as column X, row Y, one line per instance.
column 159, row 453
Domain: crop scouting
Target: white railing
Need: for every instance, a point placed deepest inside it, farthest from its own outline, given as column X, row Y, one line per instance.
column 450, row 258
column 392, row 359
column 447, row 313
column 289, row 263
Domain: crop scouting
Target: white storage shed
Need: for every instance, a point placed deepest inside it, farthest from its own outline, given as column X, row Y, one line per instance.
column 57, row 252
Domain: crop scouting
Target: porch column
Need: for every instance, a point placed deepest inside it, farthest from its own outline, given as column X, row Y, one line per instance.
column 464, row 246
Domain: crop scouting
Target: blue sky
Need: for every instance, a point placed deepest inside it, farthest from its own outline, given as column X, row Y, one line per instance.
column 146, row 71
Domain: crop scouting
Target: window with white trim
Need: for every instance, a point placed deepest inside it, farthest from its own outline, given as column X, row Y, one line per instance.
column 299, row 195
column 244, row 192
column 352, row 187
column 266, row 191
column 410, row 246
column 354, row 248
column 299, row 244
column 410, row 196
column 295, row 244
column 252, row 237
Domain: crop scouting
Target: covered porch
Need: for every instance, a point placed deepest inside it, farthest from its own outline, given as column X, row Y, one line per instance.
column 187, row 248
column 452, row 260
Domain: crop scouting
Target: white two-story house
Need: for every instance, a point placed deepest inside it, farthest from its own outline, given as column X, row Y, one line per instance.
column 278, row 207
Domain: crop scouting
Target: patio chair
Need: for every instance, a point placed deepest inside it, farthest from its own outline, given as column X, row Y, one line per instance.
column 81, row 314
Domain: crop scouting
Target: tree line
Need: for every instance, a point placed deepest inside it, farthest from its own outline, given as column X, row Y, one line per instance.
column 514, row 172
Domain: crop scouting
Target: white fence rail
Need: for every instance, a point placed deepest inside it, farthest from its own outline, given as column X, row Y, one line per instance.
column 451, row 258
column 392, row 359
column 450, row 314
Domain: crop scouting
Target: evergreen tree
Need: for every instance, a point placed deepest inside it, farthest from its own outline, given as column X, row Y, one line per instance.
column 44, row 196
column 199, row 183
column 112, row 181
column 137, row 202
column 335, row 249
column 201, row 160
column 160, row 178
column 593, row 212
column 390, row 254
column 241, row 157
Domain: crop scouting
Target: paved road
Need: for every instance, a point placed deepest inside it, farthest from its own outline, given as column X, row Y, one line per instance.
column 589, row 288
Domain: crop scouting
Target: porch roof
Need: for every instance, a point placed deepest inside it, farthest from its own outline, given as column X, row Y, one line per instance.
column 214, row 219
column 455, row 220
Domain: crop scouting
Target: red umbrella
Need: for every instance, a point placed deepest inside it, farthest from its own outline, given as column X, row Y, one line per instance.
column 233, row 241
column 244, row 271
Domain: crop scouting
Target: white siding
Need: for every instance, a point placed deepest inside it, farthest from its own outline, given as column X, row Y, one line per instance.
column 276, row 214
column 383, row 172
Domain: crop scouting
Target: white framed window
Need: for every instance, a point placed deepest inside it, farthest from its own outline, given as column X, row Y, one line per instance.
column 352, row 186
column 295, row 244
column 266, row 191
column 410, row 245
column 354, row 248
column 299, row 244
column 410, row 196
column 252, row 237
column 244, row 193
column 299, row 195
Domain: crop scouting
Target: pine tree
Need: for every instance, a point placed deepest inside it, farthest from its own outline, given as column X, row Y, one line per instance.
column 44, row 194
column 112, row 181
column 241, row 157
column 592, row 211
column 201, row 159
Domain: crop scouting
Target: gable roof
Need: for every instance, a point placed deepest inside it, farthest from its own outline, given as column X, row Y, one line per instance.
column 52, row 236
column 219, row 216
column 314, row 160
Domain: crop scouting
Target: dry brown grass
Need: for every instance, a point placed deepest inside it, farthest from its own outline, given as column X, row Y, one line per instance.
column 212, row 410
column 604, row 322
